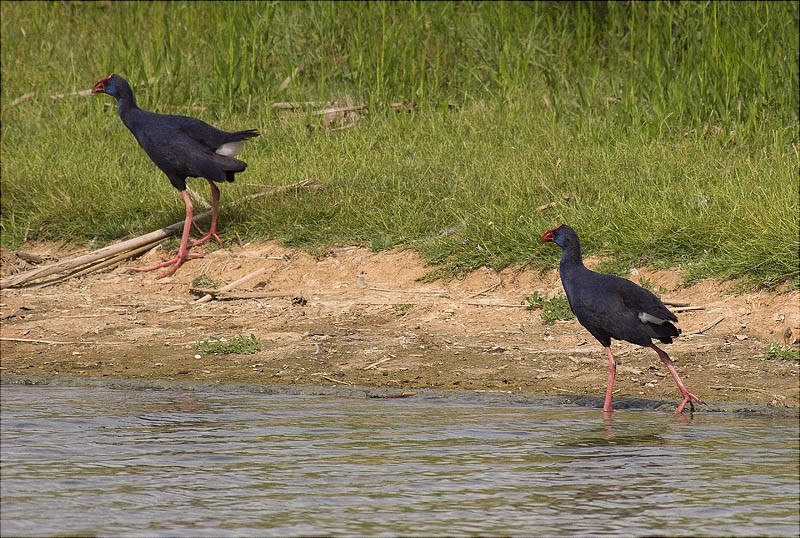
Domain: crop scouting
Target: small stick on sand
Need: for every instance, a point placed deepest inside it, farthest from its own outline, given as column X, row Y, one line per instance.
column 335, row 380
column 688, row 308
column 36, row 341
column 675, row 303
column 376, row 363
column 723, row 387
column 707, row 327
column 232, row 285
column 503, row 305
column 428, row 292
column 487, row 290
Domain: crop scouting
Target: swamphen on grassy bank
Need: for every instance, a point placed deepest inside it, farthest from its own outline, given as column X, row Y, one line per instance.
column 613, row 307
column 181, row 147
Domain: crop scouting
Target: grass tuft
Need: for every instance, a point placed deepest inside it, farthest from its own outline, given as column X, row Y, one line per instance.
column 239, row 344
column 774, row 352
column 553, row 309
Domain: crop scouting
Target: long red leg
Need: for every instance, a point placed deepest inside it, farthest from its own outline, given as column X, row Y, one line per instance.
column 687, row 396
column 612, row 370
column 214, row 211
column 182, row 251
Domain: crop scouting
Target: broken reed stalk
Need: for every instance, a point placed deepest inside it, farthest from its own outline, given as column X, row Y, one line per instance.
column 58, row 342
column 707, row 327
column 225, row 296
column 232, row 285
column 424, row 292
column 688, row 308
column 91, row 267
column 336, row 110
column 135, row 243
column 289, row 105
column 119, row 258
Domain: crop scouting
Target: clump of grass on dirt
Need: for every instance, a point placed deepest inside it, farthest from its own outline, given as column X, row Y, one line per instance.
column 242, row 345
column 553, row 309
column 205, row 281
column 774, row 352
column 664, row 133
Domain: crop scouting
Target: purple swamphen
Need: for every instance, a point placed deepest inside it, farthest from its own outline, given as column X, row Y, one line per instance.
column 613, row 307
column 181, row 147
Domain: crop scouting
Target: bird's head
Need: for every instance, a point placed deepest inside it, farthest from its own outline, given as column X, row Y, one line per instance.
column 107, row 85
column 560, row 235
column 551, row 235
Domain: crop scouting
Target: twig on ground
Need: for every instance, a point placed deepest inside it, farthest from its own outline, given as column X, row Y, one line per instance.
column 118, row 258
column 376, row 363
column 86, row 93
column 675, row 303
column 504, row 305
column 424, row 292
column 336, row 110
column 688, row 308
column 730, row 387
column 487, row 290
column 707, row 327
column 23, row 98
column 198, row 198
column 224, row 296
column 450, row 231
column 335, row 380
column 233, row 284
column 37, row 341
column 289, row 105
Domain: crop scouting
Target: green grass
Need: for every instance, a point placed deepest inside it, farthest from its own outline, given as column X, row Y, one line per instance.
column 205, row 281
column 774, row 352
column 238, row 344
column 670, row 127
column 553, row 309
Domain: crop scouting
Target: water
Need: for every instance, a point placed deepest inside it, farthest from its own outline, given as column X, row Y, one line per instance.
column 94, row 460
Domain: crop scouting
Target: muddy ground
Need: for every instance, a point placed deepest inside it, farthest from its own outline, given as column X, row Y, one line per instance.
column 363, row 318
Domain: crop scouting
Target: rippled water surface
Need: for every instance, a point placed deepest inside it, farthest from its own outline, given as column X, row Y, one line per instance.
column 88, row 460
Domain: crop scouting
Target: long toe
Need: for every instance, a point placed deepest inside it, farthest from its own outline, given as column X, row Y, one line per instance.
column 178, row 261
column 688, row 397
column 175, row 262
column 196, row 227
column 206, row 238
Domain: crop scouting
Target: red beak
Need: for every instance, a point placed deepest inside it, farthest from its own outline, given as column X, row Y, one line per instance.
column 547, row 237
column 100, row 87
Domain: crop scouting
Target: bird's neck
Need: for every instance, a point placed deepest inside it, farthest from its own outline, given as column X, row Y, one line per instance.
column 571, row 257
column 126, row 102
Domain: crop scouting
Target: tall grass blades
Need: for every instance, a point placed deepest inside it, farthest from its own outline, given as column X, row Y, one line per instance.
column 665, row 133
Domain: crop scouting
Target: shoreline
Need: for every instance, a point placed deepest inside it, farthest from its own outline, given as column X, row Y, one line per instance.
column 357, row 318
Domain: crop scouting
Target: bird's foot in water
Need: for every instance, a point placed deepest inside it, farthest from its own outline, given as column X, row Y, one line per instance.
column 175, row 262
column 687, row 398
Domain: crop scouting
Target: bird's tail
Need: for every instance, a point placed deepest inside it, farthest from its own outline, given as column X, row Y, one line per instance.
column 244, row 135
column 664, row 332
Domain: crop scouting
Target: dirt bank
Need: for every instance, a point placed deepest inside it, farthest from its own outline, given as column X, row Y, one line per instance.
column 358, row 317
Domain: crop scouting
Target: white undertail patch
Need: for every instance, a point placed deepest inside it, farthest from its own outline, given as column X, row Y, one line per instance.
column 230, row 149
column 644, row 317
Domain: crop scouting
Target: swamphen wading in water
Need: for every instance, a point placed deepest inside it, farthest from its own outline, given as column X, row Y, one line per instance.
column 613, row 307
column 181, row 147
